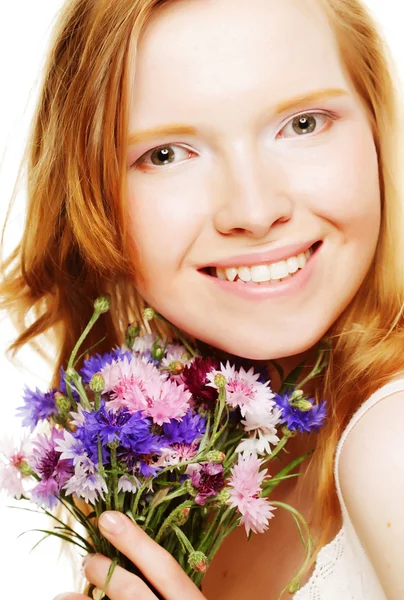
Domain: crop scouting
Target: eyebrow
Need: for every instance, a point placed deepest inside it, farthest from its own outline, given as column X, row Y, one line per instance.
column 174, row 129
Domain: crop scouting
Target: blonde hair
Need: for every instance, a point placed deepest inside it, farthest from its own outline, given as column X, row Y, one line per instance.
column 75, row 244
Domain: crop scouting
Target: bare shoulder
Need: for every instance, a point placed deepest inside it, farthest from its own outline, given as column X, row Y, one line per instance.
column 371, row 472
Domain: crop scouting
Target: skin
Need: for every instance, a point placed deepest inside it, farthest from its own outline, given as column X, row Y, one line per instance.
column 246, row 181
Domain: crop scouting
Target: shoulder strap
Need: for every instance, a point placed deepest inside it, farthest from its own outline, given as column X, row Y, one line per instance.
column 394, row 386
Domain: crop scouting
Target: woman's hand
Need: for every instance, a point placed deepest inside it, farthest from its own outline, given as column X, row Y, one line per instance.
column 157, row 565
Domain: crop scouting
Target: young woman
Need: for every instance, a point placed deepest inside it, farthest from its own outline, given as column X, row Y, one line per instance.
column 234, row 164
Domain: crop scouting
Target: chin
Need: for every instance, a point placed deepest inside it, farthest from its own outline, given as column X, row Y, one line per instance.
column 268, row 348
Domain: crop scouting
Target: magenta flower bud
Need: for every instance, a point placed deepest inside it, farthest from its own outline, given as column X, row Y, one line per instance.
column 198, row 561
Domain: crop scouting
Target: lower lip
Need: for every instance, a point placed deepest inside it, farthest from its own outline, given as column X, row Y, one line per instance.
column 292, row 285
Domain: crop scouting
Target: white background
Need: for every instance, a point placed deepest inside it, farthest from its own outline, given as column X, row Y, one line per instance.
column 24, row 30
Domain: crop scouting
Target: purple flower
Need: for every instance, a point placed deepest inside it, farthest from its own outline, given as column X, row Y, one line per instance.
column 129, row 431
column 191, row 427
column 194, row 377
column 53, row 471
column 38, row 407
column 208, row 479
column 301, row 420
column 94, row 364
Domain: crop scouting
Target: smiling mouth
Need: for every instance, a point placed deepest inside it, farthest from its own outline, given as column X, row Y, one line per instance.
column 269, row 273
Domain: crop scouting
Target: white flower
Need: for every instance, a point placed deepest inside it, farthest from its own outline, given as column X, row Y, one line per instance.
column 261, row 424
column 86, row 483
column 144, row 343
column 125, row 484
column 78, row 417
column 71, row 447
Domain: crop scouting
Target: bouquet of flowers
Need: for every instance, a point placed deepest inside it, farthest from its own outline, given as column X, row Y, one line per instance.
column 181, row 443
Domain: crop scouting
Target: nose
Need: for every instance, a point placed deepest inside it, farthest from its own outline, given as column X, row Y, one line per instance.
column 253, row 195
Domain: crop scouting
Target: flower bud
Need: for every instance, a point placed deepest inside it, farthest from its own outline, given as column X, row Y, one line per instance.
column 25, row 469
column 215, row 456
column 198, row 561
column 175, row 367
column 133, row 330
column 62, row 403
column 297, row 395
column 102, row 304
column 223, row 496
column 303, row 405
column 97, row 383
column 220, row 380
column 148, row 314
column 190, row 488
column 158, row 353
column 181, row 517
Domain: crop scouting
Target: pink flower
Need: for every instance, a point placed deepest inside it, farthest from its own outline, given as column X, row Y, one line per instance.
column 242, row 388
column 136, row 384
column 124, row 380
column 12, row 460
column 245, row 489
column 166, row 400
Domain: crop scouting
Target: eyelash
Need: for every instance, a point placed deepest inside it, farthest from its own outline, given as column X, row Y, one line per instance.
column 328, row 115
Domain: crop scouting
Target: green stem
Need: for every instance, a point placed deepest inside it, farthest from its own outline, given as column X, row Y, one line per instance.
column 183, row 538
column 102, row 473
column 114, row 478
column 294, row 584
column 83, row 336
column 171, row 518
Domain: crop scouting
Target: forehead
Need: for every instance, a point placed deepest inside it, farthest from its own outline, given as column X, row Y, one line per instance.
column 197, row 56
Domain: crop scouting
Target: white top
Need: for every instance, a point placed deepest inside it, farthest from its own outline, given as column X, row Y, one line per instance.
column 343, row 570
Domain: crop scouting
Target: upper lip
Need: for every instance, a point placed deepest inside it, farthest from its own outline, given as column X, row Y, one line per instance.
column 264, row 257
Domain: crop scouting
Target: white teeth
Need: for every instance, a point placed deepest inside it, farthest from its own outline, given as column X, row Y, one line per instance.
column 260, row 273
column 293, row 264
column 231, row 273
column 244, row 273
column 279, row 270
column 301, row 259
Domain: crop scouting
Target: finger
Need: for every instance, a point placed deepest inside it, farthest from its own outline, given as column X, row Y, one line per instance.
column 122, row 585
column 156, row 564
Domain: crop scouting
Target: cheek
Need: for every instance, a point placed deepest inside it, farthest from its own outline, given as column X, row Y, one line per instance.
column 340, row 181
column 165, row 219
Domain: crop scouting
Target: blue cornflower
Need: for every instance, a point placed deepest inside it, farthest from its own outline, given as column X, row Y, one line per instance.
column 38, row 407
column 301, row 420
column 190, row 428
column 95, row 363
column 129, row 431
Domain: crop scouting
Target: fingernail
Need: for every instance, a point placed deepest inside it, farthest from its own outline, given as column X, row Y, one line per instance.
column 112, row 522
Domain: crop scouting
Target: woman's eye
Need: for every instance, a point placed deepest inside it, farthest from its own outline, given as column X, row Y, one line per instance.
column 305, row 124
column 164, row 155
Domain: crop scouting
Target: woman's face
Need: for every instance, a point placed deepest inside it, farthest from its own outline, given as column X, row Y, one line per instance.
column 265, row 158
